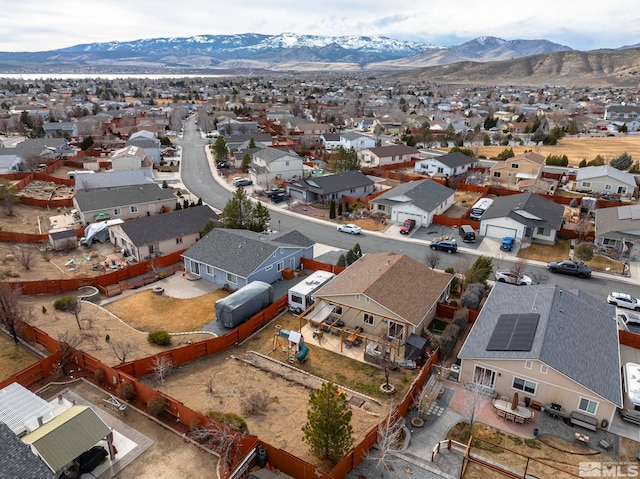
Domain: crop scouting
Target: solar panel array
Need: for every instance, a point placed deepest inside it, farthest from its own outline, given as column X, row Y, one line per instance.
column 514, row 332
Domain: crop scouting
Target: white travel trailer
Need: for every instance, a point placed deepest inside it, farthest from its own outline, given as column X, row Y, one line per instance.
column 301, row 295
column 631, row 384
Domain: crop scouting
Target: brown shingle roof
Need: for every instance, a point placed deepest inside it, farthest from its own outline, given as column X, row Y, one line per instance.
column 397, row 282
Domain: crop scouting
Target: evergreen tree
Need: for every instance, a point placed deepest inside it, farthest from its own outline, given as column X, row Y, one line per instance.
column 220, row 149
column 332, row 209
column 584, row 252
column 328, row 429
column 259, row 218
column 252, row 143
column 340, row 208
column 480, row 271
column 342, row 261
column 351, row 257
column 246, row 160
column 583, row 163
column 199, row 202
column 238, row 210
column 623, row 162
column 344, row 159
column 357, row 250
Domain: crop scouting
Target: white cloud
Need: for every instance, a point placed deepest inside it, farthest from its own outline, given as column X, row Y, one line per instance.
column 36, row 25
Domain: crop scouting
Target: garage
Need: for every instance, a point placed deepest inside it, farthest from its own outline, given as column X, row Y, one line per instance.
column 297, row 194
column 493, row 231
column 409, row 216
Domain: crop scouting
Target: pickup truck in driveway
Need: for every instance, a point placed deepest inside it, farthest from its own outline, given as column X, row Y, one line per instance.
column 570, row 267
column 407, row 227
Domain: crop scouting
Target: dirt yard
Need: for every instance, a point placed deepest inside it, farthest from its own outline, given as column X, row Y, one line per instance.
column 14, row 357
column 577, row 148
column 508, row 450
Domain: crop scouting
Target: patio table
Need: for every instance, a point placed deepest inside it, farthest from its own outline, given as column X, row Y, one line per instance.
column 505, row 406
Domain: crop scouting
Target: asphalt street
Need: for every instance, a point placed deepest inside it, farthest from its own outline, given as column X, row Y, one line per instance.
column 197, row 176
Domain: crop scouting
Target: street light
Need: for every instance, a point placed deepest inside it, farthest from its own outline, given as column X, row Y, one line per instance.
column 278, row 226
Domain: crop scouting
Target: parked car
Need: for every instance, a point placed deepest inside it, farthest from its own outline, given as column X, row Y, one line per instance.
column 507, row 244
column 223, row 164
column 271, row 192
column 448, row 245
column 629, row 322
column 240, row 181
column 513, row 278
column 350, row 228
column 407, row 227
column 623, row 300
column 279, row 198
column 570, row 267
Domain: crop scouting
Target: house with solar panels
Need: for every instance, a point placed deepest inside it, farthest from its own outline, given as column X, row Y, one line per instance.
column 550, row 345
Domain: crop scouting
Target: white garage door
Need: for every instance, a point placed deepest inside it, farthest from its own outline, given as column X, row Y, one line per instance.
column 500, row 232
column 296, row 194
column 409, row 216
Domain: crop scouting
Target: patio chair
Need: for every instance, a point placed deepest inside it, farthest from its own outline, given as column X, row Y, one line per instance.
column 519, row 420
column 501, row 413
column 529, row 419
column 510, row 417
column 504, row 398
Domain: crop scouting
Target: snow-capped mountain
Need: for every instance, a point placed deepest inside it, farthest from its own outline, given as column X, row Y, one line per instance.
column 268, row 52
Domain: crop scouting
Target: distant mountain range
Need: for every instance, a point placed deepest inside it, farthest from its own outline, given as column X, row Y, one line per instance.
column 484, row 59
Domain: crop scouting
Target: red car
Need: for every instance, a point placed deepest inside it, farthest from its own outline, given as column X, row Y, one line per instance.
column 407, row 226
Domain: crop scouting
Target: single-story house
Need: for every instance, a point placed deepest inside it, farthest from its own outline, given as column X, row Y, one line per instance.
column 130, row 158
column 323, row 189
column 125, row 202
column 605, row 180
column 55, row 129
column 525, row 217
column 330, row 141
column 111, row 179
column 163, row 234
column 542, row 342
column 527, row 166
column 235, row 258
column 619, row 229
column 267, row 164
column 451, row 164
column 417, row 200
column 385, row 294
column 387, row 155
column 355, row 140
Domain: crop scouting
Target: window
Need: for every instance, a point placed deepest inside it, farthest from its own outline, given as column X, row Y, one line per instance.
column 269, row 268
column 515, row 165
column 587, row 405
column 117, row 212
column 543, row 231
column 134, row 209
column 586, row 184
column 608, row 242
column 607, row 187
column 367, row 319
column 232, row 278
column 528, row 364
column 179, row 240
column 543, row 369
column 496, row 174
column 210, row 270
column 440, row 170
column 524, row 385
column 367, row 299
column 296, row 298
column 280, row 265
column 357, row 297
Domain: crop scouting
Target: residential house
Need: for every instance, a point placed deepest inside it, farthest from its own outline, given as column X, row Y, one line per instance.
column 526, row 166
column 418, row 200
column 622, row 113
column 130, row 158
column 239, row 141
column 542, row 342
column 605, row 180
column 27, row 154
column 234, row 258
column 355, row 140
column 323, row 189
column 54, row 129
column 17, row 460
column 448, row 165
column 390, row 296
column 270, row 163
column 330, row 141
column 10, row 162
column 619, row 229
column 148, row 142
column 110, row 179
column 159, row 235
column 124, row 202
column 387, row 155
column 526, row 217
column 229, row 127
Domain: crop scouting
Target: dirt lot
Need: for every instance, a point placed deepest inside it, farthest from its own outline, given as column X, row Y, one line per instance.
column 13, row 357
column 577, row 148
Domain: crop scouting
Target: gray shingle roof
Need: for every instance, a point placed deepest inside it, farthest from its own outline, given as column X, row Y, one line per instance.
column 425, row 194
column 393, row 150
column 122, row 196
column 151, row 229
column 112, row 179
column 507, row 206
column 453, row 160
column 17, row 460
column 576, row 334
column 240, row 252
column 336, row 183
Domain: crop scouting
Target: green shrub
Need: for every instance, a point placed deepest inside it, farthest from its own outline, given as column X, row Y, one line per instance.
column 156, row 404
column 230, row 419
column 126, row 391
column 532, row 443
column 64, row 304
column 161, row 338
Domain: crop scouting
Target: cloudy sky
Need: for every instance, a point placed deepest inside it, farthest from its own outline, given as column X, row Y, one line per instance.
column 38, row 25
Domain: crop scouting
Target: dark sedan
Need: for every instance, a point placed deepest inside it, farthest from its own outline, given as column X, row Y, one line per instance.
column 570, row 267
column 450, row 246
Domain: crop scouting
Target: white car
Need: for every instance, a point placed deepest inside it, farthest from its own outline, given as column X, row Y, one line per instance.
column 350, row 228
column 623, row 300
column 513, row 278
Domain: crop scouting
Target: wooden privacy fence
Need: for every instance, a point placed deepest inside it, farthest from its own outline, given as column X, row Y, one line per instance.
column 447, row 311
column 318, row 265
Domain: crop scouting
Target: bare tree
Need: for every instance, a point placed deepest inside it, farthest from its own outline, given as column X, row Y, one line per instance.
column 8, row 196
column 390, row 432
column 475, row 397
column 583, row 227
column 519, row 267
column 26, row 256
column 14, row 311
column 538, row 277
column 433, row 259
column 223, row 438
column 122, row 349
column 68, row 343
column 161, row 366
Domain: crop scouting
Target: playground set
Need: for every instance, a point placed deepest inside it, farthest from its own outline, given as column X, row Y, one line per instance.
column 294, row 346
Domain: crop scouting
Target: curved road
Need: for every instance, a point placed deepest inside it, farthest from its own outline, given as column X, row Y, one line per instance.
column 198, row 179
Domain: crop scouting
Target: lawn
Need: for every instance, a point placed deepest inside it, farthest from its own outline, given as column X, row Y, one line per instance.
column 546, row 253
column 601, row 263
